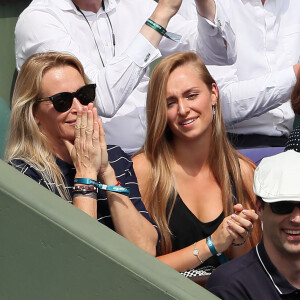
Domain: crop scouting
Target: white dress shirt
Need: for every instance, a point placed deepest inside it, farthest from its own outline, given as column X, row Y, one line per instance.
column 56, row 25
column 256, row 89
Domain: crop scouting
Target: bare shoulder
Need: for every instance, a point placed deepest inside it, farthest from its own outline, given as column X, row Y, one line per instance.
column 142, row 169
column 141, row 165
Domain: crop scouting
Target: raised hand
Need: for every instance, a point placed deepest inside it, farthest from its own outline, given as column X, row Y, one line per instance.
column 85, row 153
column 234, row 229
column 241, row 224
column 222, row 237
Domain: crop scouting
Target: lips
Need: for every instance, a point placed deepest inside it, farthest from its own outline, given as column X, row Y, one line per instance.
column 292, row 235
column 292, row 232
column 188, row 121
column 71, row 122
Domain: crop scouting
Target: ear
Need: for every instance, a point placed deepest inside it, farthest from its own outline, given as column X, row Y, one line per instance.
column 214, row 94
column 35, row 115
column 37, row 120
column 259, row 208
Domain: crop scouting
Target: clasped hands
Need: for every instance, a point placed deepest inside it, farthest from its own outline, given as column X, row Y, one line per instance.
column 235, row 229
column 89, row 151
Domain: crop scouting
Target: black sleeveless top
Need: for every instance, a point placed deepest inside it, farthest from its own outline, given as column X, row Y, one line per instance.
column 187, row 229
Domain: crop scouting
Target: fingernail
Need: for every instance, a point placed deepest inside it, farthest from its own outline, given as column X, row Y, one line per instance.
column 244, row 211
column 228, row 221
column 233, row 216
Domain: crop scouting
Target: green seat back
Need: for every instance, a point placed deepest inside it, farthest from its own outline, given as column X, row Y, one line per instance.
column 4, row 124
column 9, row 12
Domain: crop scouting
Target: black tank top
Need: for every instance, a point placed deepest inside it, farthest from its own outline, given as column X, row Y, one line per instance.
column 187, row 229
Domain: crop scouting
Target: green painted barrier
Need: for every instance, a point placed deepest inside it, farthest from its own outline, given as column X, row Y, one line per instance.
column 49, row 249
column 4, row 124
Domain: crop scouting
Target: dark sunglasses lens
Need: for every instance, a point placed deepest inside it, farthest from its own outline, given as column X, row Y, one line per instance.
column 282, row 208
column 62, row 102
column 86, row 94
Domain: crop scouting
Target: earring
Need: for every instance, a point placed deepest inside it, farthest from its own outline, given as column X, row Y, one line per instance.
column 214, row 111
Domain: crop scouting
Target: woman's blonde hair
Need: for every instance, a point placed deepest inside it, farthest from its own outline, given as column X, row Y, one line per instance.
column 223, row 158
column 26, row 141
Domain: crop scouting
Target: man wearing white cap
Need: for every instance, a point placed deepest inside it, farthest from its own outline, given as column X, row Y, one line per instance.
column 271, row 270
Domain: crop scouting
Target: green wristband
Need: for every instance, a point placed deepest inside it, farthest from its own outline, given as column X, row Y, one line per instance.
column 172, row 36
column 156, row 27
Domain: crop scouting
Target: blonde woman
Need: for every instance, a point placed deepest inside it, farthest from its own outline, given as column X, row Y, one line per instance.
column 57, row 139
column 191, row 179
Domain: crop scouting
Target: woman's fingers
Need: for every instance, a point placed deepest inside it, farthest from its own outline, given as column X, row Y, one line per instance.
column 249, row 214
column 243, row 222
column 233, row 233
column 242, row 231
column 78, row 124
column 101, row 133
column 238, row 208
column 83, row 126
column 89, row 131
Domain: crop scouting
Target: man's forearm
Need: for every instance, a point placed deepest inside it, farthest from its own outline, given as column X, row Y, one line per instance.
column 206, row 9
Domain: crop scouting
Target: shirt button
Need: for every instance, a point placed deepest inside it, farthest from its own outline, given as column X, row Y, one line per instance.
column 147, row 57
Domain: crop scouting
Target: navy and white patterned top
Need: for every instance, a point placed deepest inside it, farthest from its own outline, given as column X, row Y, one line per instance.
column 119, row 161
column 293, row 142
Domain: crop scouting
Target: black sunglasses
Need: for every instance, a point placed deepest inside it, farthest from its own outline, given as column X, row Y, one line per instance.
column 283, row 207
column 63, row 101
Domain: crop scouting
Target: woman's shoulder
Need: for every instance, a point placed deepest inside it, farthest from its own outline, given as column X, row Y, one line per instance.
column 141, row 163
column 26, row 168
column 140, row 160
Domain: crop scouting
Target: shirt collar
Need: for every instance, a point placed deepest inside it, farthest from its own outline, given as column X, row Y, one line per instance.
column 279, row 282
column 69, row 5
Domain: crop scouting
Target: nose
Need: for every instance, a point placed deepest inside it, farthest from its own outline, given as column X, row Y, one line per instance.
column 76, row 105
column 295, row 215
column 183, row 107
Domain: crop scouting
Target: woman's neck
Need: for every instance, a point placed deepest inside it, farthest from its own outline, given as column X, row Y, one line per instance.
column 62, row 152
column 192, row 155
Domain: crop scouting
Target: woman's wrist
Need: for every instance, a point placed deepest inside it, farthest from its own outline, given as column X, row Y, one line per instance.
column 91, row 175
column 108, row 176
column 215, row 244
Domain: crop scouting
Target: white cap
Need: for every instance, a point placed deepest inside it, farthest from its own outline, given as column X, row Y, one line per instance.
column 277, row 178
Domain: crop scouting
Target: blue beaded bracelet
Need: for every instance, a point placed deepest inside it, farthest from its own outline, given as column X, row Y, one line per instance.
column 111, row 188
column 221, row 256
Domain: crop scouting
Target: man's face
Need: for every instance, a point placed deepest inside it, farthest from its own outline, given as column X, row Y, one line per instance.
column 281, row 233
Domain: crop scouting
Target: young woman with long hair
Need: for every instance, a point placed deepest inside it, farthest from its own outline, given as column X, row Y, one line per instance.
column 195, row 185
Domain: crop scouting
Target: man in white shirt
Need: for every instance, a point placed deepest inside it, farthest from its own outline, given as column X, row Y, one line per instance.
column 115, row 46
column 256, row 89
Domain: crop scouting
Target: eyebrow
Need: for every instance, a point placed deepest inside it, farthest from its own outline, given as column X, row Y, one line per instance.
column 185, row 93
